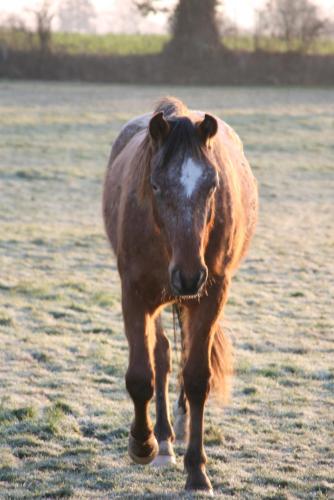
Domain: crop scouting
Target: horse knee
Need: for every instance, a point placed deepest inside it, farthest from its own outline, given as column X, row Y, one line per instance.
column 140, row 385
column 196, row 384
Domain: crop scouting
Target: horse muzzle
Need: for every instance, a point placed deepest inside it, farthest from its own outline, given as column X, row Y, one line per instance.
column 185, row 285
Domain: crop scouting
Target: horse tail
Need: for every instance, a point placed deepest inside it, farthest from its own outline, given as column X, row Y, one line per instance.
column 221, row 365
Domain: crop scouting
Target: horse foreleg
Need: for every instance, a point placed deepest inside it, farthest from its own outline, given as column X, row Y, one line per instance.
column 196, row 376
column 163, row 429
column 143, row 445
column 201, row 320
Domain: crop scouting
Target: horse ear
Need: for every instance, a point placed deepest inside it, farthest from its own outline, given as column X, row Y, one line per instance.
column 158, row 127
column 208, row 128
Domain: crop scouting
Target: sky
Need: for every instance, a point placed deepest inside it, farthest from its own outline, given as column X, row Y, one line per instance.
column 120, row 15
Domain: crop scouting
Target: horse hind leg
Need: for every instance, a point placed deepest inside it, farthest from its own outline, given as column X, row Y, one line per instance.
column 163, row 429
column 181, row 409
column 181, row 417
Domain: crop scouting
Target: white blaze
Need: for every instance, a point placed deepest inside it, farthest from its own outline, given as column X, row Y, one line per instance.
column 190, row 173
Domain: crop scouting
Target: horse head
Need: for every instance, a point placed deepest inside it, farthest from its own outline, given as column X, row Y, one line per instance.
column 183, row 180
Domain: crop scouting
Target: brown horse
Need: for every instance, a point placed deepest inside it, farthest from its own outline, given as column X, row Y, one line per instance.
column 180, row 207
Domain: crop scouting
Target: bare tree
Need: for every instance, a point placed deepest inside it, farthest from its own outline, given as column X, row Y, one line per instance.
column 14, row 33
column 227, row 27
column 297, row 23
column 43, row 19
column 76, row 16
column 150, row 6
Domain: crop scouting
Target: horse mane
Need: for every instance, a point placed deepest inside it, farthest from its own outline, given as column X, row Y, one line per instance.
column 182, row 137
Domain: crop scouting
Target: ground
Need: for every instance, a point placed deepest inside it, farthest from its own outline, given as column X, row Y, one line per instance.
column 64, row 410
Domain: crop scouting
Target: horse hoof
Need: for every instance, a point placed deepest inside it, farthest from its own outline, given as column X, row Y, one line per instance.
column 181, row 424
column 166, row 455
column 199, row 481
column 143, row 452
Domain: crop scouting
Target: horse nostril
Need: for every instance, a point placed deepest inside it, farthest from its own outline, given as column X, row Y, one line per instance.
column 184, row 285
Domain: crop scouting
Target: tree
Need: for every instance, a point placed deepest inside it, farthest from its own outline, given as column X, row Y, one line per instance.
column 297, row 23
column 226, row 26
column 14, row 33
column 193, row 25
column 150, row 7
column 43, row 19
column 76, row 16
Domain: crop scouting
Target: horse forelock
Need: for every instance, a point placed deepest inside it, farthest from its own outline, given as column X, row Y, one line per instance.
column 182, row 138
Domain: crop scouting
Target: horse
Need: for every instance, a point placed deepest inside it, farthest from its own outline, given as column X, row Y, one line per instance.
column 180, row 209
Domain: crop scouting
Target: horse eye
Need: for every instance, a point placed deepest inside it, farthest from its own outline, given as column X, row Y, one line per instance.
column 155, row 188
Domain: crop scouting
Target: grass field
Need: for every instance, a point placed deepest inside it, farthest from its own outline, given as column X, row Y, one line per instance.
column 64, row 411
column 125, row 44
column 149, row 44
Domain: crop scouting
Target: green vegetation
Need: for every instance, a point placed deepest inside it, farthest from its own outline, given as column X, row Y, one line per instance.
column 79, row 43
column 122, row 44
column 243, row 42
column 64, row 411
column 108, row 44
